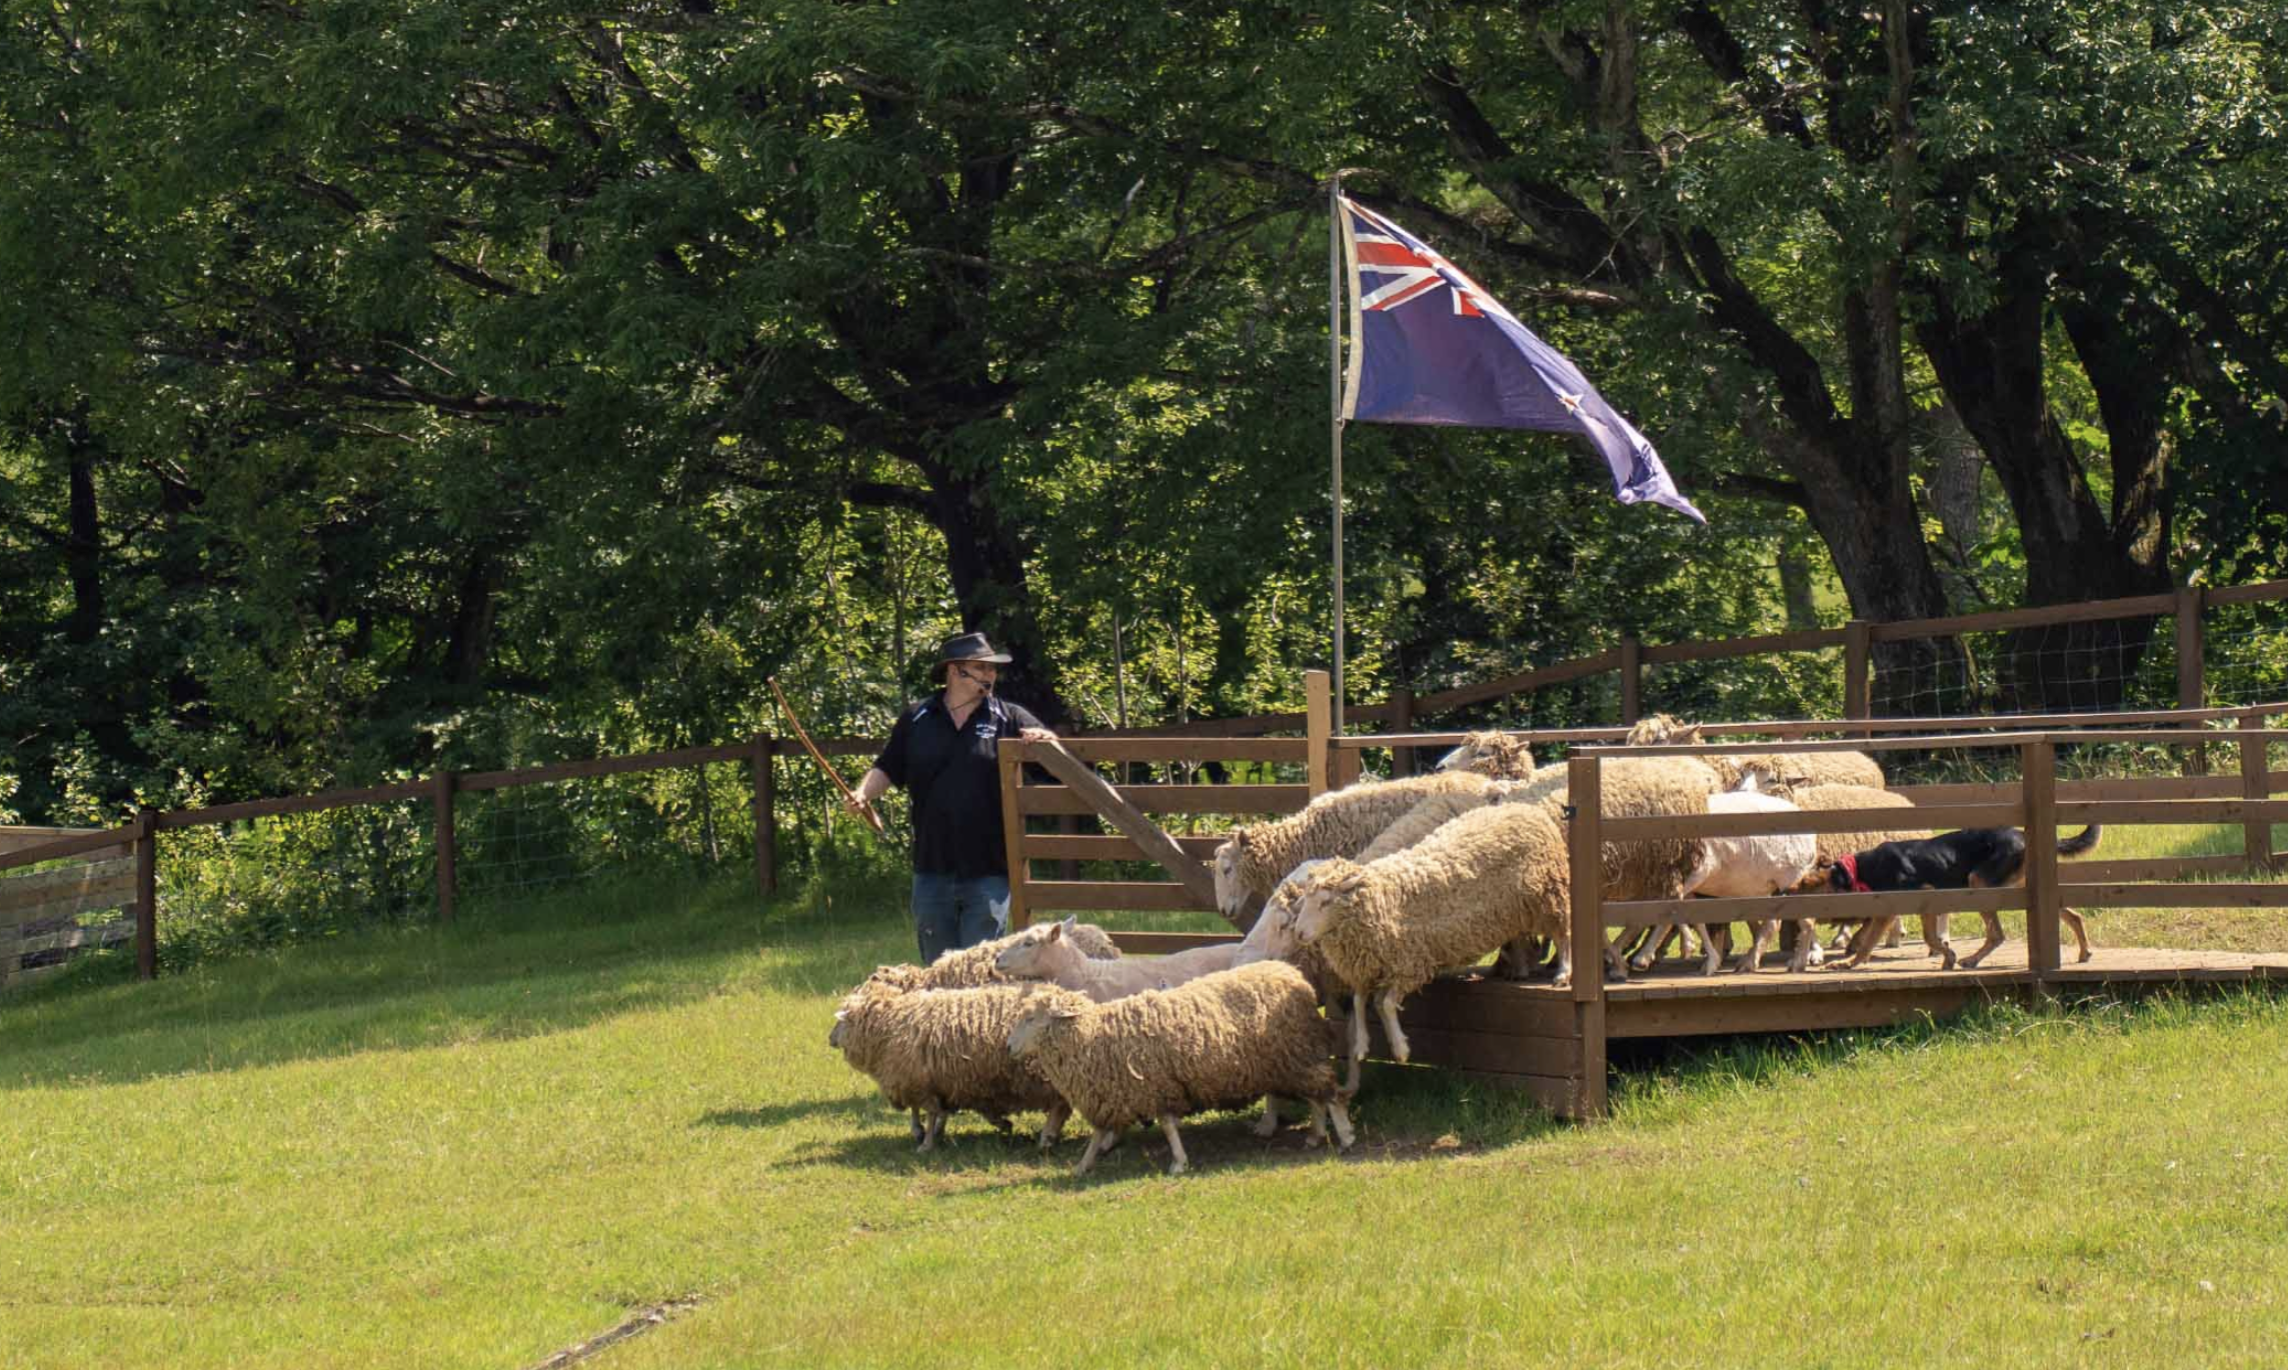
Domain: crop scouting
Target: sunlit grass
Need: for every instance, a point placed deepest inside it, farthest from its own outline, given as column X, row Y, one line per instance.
column 481, row 1145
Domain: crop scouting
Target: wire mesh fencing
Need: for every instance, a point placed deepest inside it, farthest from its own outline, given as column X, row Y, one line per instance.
column 249, row 884
column 2094, row 667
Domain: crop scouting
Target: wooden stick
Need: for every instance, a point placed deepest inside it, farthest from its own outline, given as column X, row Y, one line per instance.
column 865, row 809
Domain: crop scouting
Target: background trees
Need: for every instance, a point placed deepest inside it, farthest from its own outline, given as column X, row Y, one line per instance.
column 479, row 378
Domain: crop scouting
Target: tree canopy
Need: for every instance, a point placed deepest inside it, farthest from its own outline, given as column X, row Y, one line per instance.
column 482, row 380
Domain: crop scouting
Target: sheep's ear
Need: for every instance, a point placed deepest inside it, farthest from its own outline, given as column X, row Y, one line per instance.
column 1056, row 931
column 1239, row 838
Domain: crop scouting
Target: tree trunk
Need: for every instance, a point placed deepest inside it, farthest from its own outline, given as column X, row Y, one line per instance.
column 986, row 559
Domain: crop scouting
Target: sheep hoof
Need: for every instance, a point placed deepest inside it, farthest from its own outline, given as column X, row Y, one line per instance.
column 1561, row 982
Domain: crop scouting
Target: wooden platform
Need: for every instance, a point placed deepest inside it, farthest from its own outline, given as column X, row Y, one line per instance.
column 1535, row 1037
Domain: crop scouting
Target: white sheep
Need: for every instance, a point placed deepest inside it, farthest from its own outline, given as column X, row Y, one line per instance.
column 1221, row 1041
column 968, row 967
column 1252, row 861
column 1757, row 864
column 938, row 1051
column 1496, row 755
column 1479, row 883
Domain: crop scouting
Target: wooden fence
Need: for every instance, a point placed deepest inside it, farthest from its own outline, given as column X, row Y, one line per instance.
column 1330, row 761
column 120, row 864
column 41, row 931
column 1629, row 659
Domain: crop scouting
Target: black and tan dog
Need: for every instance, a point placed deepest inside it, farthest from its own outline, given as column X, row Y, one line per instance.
column 1975, row 858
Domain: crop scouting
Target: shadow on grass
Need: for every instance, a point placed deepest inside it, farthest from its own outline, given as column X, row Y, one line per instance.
column 499, row 972
column 973, row 1158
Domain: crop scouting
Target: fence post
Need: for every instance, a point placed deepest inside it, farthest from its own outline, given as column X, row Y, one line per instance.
column 1857, row 639
column 2190, row 601
column 1403, row 760
column 1632, row 681
column 448, row 849
column 147, row 894
column 1318, row 728
column 2038, row 765
column 766, row 816
column 1009, row 755
column 1586, row 862
column 2255, row 788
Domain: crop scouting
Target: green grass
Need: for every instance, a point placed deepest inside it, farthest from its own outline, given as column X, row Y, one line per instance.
column 480, row 1145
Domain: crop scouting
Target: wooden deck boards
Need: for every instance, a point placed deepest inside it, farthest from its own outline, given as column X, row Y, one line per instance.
column 1464, row 1021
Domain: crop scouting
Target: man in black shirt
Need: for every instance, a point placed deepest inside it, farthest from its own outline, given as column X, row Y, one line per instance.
column 942, row 751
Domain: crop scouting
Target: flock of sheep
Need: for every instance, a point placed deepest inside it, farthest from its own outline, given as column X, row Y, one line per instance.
column 1370, row 891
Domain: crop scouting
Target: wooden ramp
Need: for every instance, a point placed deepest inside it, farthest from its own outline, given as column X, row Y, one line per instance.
column 1523, row 1035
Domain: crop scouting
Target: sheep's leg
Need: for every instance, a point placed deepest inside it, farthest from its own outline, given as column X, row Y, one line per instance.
column 1809, row 932
column 1053, row 1126
column 1806, row 947
column 1103, row 1139
column 1653, row 947
column 1766, row 931
column 1386, row 1004
column 1564, row 978
column 1341, row 1117
column 1616, row 969
column 1268, row 1124
column 1001, row 1123
column 936, row 1127
column 1711, row 954
column 1182, row 1162
column 1891, row 934
column 1318, row 1112
column 914, row 1121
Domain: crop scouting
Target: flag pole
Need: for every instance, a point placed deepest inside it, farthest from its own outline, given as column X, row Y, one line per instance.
column 1335, row 412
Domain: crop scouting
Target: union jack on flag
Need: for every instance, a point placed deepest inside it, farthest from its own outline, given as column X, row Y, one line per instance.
column 1429, row 345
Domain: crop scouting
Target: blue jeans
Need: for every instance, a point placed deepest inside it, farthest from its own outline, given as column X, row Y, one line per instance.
column 952, row 911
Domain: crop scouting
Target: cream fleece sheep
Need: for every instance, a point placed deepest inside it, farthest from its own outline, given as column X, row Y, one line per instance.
column 1795, row 769
column 973, row 966
column 1221, row 1041
column 940, row 1050
column 1757, row 864
column 1480, row 882
column 1496, row 755
column 1252, row 861
column 1634, row 787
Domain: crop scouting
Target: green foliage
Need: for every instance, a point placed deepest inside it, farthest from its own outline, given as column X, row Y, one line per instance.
column 468, row 383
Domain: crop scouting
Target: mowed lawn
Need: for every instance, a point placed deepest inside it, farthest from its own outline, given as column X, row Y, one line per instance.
column 480, row 1146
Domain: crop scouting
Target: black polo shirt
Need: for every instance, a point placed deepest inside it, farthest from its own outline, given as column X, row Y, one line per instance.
column 955, row 783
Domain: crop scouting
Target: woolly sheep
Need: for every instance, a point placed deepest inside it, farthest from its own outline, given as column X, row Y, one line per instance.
column 939, row 1051
column 1496, row 755
column 1252, row 861
column 970, row 967
column 1477, row 884
column 1221, row 1041
column 1794, row 768
column 1634, row 787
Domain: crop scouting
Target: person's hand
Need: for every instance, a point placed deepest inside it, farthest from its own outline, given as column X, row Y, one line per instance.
column 1036, row 735
column 855, row 801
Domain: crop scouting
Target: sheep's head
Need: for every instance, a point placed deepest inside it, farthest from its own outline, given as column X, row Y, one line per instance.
column 854, row 1003
column 1274, row 930
column 1494, row 754
column 1326, row 889
column 1025, row 1034
column 1659, row 730
column 1760, row 777
column 1024, row 957
column 1230, row 893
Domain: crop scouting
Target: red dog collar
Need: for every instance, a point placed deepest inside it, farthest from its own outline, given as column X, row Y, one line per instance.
column 1849, row 864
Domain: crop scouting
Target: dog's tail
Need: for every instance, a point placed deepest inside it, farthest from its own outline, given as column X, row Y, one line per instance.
column 2087, row 841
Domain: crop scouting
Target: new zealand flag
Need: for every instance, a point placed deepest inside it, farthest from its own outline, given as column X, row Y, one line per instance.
column 1430, row 346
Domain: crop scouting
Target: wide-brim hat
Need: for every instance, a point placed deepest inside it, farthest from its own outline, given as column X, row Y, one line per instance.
column 971, row 647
